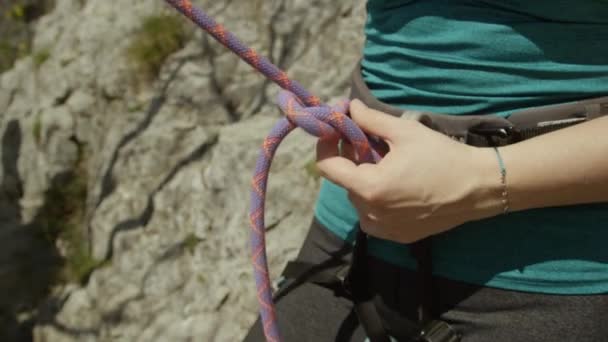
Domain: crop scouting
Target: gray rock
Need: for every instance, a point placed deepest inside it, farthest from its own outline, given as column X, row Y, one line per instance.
column 169, row 162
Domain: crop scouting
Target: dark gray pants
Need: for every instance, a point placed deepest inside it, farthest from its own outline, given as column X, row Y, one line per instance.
column 308, row 312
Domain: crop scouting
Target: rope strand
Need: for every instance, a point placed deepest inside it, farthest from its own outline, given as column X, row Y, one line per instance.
column 302, row 109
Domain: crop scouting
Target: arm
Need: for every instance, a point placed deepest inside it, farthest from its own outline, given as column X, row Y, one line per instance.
column 428, row 183
column 565, row 167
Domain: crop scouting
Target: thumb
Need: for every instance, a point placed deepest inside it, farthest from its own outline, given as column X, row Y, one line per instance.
column 374, row 122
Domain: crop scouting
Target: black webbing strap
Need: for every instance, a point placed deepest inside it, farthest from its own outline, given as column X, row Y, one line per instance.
column 433, row 329
column 328, row 275
column 352, row 281
column 422, row 252
column 356, row 283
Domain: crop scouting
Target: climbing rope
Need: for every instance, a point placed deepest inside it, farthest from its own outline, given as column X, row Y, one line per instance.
column 302, row 109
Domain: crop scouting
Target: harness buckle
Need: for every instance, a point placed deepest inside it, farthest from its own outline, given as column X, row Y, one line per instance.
column 495, row 135
column 343, row 277
column 438, row 331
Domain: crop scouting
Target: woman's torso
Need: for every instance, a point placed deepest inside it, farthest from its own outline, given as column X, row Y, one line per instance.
column 476, row 57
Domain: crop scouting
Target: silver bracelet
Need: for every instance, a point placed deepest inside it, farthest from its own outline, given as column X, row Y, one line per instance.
column 503, row 181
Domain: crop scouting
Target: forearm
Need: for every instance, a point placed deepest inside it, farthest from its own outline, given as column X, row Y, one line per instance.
column 565, row 167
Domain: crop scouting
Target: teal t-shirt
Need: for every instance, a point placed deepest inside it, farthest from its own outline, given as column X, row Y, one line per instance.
column 472, row 57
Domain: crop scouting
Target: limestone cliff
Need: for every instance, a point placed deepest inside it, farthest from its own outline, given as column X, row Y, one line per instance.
column 124, row 179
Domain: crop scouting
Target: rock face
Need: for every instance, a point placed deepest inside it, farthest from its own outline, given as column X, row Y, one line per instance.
column 15, row 29
column 168, row 165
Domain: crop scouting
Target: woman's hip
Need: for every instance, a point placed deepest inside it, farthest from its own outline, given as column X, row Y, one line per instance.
column 314, row 310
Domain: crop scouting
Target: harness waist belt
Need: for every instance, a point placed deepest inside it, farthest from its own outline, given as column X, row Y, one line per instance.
column 491, row 129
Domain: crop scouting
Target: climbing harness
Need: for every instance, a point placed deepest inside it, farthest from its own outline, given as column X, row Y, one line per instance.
column 304, row 110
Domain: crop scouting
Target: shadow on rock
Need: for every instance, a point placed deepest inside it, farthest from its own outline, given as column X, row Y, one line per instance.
column 30, row 262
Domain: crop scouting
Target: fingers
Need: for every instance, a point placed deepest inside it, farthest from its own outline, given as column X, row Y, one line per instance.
column 332, row 166
column 375, row 122
column 342, row 168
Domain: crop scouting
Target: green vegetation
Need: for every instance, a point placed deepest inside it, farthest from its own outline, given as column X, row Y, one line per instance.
column 158, row 37
column 16, row 12
column 79, row 262
column 37, row 129
column 312, row 170
column 10, row 51
column 41, row 56
column 16, row 30
column 135, row 107
column 62, row 218
column 14, row 39
column 190, row 242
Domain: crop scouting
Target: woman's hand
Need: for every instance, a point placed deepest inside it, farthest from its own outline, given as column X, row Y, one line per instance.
column 426, row 184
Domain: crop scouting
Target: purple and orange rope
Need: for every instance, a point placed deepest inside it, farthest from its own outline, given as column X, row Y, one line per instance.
column 302, row 109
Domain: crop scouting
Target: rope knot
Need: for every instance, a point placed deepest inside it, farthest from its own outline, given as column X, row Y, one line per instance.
column 326, row 122
column 320, row 121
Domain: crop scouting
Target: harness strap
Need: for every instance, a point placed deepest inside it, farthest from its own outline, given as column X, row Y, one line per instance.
column 356, row 283
column 351, row 281
column 310, row 272
column 422, row 252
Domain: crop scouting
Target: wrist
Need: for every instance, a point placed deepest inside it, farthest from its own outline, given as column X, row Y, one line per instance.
column 489, row 191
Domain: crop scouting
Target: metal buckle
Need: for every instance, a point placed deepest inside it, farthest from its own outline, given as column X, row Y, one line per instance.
column 497, row 135
column 438, row 331
column 343, row 276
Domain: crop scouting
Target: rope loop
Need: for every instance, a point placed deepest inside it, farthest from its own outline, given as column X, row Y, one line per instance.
column 303, row 110
column 326, row 122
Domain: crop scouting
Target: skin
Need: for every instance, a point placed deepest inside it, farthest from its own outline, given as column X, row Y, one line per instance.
column 428, row 183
